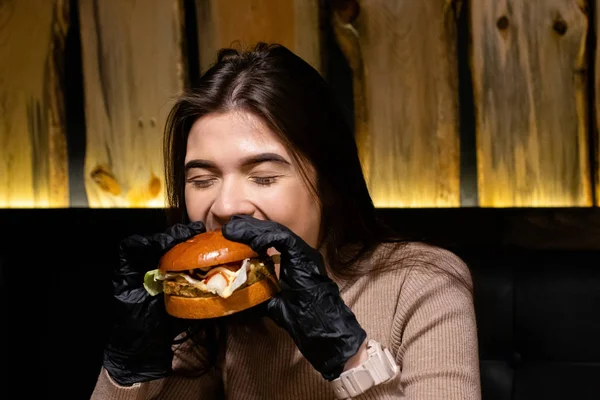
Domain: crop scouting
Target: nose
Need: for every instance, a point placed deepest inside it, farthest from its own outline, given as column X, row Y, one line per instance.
column 231, row 200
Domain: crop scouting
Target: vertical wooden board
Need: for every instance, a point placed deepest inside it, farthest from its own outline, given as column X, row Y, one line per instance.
column 133, row 69
column 529, row 76
column 33, row 149
column 409, row 137
column 292, row 23
column 343, row 13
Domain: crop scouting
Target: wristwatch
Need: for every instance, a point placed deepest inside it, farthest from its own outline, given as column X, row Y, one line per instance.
column 379, row 368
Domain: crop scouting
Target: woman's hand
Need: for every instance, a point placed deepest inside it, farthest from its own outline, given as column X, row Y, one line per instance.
column 139, row 347
column 309, row 306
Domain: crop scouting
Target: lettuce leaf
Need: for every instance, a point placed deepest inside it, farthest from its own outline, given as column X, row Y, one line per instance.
column 153, row 285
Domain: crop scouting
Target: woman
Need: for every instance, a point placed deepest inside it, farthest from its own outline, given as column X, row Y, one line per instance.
column 260, row 151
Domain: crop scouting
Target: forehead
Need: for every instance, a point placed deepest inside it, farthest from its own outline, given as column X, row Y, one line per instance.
column 232, row 134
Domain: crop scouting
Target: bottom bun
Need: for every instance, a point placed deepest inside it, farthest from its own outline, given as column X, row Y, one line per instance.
column 216, row 306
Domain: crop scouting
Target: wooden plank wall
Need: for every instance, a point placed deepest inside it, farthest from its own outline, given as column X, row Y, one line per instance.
column 133, row 68
column 532, row 76
column 529, row 71
column 407, row 99
column 242, row 23
column 33, row 149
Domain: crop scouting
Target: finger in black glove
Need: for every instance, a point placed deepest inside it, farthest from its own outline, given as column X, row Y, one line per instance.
column 139, row 346
column 309, row 306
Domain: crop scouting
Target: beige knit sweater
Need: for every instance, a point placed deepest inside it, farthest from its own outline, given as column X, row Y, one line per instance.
column 424, row 316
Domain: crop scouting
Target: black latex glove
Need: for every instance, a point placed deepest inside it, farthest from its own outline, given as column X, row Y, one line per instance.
column 309, row 306
column 139, row 347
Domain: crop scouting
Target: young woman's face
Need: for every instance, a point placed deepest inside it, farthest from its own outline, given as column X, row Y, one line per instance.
column 234, row 164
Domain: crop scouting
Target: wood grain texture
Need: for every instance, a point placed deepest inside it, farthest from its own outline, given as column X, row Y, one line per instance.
column 529, row 76
column 409, row 142
column 343, row 14
column 33, row 147
column 133, row 69
column 243, row 23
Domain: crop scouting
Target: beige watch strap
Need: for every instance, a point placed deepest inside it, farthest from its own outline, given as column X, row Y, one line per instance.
column 380, row 367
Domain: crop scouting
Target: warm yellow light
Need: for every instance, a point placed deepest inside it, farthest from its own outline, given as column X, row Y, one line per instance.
column 547, row 203
column 27, row 203
column 399, row 203
column 154, row 203
column 31, row 203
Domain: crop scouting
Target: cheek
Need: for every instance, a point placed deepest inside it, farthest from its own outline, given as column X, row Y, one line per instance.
column 196, row 206
column 296, row 209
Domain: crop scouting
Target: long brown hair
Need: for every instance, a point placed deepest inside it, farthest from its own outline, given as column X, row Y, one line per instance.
column 293, row 99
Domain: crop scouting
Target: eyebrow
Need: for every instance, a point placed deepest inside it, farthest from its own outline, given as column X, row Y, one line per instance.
column 246, row 162
column 264, row 157
column 203, row 164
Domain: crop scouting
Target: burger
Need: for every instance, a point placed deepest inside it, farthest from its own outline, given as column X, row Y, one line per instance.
column 209, row 276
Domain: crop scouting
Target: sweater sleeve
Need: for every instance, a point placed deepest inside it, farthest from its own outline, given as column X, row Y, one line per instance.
column 190, row 380
column 435, row 332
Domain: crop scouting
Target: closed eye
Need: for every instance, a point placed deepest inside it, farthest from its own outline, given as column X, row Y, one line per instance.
column 265, row 180
column 201, row 183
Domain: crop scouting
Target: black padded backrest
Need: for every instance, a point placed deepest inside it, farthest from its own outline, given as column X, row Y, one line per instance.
column 56, row 269
column 538, row 316
column 493, row 281
column 557, row 325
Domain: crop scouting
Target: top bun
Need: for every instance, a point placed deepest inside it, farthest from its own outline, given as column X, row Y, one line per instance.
column 204, row 251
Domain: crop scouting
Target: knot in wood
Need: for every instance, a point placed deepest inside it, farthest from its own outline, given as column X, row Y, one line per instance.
column 502, row 22
column 560, row 26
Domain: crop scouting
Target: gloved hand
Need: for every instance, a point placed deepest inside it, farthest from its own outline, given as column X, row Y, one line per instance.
column 309, row 306
column 139, row 346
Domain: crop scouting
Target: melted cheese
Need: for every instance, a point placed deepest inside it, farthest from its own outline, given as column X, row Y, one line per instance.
column 220, row 280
